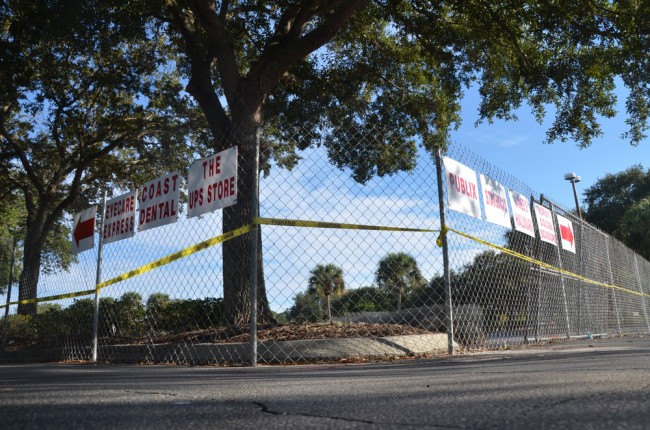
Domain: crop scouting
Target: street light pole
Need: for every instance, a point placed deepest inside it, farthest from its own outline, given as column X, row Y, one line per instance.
column 573, row 178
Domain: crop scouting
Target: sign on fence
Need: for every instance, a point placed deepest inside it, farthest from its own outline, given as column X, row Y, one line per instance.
column 462, row 188
column 158, row 202
column 119, row 222
column 566, row 234
column 212, row 183
column 545, row 224
column 521, row 213
column 83, row 230
column 494, row 201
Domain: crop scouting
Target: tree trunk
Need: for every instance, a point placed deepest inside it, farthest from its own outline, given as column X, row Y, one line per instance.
column 329, row 308
column 28, row 281
column 399, row 296
column 236, row 252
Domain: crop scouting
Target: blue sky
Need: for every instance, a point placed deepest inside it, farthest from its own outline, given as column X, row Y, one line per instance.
column 316, row 191
column 518, row 148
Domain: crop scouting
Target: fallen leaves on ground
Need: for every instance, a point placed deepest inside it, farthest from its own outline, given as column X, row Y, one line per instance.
column 287, row 332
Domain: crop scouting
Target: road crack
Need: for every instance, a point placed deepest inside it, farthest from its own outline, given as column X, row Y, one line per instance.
column 150, row 393
column 267, row 410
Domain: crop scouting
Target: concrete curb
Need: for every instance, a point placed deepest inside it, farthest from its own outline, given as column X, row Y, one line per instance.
column 269, row 352
column 278, row 351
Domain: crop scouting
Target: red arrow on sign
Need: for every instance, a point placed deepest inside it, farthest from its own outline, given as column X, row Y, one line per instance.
column 566, row 233
column 83, row 230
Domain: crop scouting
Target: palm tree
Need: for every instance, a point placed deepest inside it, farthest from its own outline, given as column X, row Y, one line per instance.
column 399, row 272
column 326, row 280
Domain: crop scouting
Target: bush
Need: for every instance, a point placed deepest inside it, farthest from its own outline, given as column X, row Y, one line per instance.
column 21, row 330
column 186, row 315
column 307, row 308
column 51, row 325
column 365, row 299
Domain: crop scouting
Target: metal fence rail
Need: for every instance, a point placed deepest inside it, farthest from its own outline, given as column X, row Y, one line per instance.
column 346, row 269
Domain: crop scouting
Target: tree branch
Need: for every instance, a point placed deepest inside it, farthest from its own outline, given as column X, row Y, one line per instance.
column 219, row 40
column 24, row 161
column 200, row 85
column 277, row 59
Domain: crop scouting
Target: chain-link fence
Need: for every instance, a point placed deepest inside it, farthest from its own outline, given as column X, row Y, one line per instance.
column 345, row 260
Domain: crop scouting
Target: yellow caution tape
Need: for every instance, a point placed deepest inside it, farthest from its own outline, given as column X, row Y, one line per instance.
column 443, row 232
column 144, row 269
column 240, row 231
column 177, row 255
column 321, row 224
column 49, row 298
column 314, row 224
column 546, row 265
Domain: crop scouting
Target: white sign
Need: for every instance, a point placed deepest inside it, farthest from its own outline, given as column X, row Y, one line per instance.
column 119, row 222
column 158, row 202
column 462, row 188
column 83, row 230
column 545, row 224
column 495, row 202
column 521, row 213
column 566, row 234
column 212, row 183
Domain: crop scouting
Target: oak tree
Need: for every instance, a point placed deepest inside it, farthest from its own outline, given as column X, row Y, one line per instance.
column 352, row 69
column 88, row 100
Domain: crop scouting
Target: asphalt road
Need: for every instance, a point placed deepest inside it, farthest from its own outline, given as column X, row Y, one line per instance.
column 600, row 384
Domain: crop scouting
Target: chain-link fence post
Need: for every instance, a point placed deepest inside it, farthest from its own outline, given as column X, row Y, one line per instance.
column 581, row 285
column 98, row 280
column 12, row 265
column 254, row 250
column 445, row 257
column 564, row 299
column 529, row 301
column 638, row 278
column 611, row 281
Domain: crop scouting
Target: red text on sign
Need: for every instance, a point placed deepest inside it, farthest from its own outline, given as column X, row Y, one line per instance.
column 121, row 206
column 463, row 186
column 495, row 200
column 160, row 211
column 118, row 227
column 196, row 198
column 212, row 167
column 159, row 188
column 524, row 222
column 222, row 189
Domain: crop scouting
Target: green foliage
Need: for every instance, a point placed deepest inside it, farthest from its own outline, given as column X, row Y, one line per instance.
column 498, row 283
column 433, row 293
column 158, row 300
column 78, row 319
column 364, row 299
column 124, row 318
column 635, row 227
column 48, row 307
column 396, row 70
column 21, row 330
column 325, row 280
column 403, row 65
column 306, row 308
column 128, row 315
column 310, row 308
column 186, row 315
column 93, row 102
column 399, row 273
column 55, row 326
column 10, row 219
column 617, row 204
